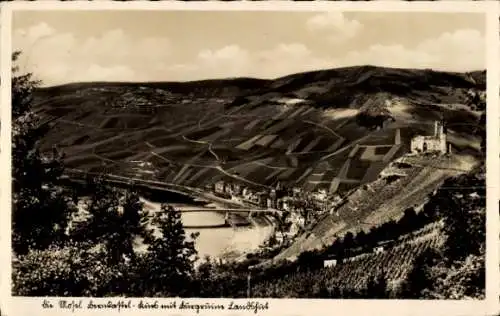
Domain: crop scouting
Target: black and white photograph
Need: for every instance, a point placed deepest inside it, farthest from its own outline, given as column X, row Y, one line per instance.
column 248, row 154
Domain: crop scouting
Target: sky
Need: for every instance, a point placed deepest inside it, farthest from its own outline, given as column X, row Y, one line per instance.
column 74, row 46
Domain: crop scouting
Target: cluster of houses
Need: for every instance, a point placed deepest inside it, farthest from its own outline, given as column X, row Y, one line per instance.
column 239, row 193
column 277, row 198
column 142, row 101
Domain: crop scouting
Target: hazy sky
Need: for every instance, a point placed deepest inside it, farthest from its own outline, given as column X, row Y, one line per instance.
column 68, row 46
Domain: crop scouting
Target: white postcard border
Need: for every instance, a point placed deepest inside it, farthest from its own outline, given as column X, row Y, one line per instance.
column 26, row 306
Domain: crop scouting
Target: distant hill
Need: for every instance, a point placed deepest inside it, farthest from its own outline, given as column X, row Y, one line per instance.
column 219, row 87
column 366, row 79
column 345, row 84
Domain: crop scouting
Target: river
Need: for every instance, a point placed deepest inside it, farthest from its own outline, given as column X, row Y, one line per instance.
column 226, row 242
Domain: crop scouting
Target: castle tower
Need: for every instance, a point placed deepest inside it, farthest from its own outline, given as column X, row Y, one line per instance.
column 438, row 129
column 442, row 137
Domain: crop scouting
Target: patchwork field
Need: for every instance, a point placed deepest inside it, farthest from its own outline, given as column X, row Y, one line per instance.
column 301, row 130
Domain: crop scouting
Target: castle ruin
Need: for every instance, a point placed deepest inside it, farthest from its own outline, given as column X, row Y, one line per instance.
column 434, row 143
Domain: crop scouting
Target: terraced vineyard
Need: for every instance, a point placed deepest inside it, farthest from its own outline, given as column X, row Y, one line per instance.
column 378, row 202
column 355, row 272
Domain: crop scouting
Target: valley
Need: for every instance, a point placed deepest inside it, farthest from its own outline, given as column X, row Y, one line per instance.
column 333, row 132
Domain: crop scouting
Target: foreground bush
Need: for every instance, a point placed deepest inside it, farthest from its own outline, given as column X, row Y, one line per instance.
column 71, row 270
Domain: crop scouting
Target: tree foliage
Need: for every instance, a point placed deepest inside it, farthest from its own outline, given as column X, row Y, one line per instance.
column 114, row 218
column 66, row 248
column 377, row 287
column 40, row 206
column 75, row 269
column 458, row 270
column 168, row 266
column 419, row 280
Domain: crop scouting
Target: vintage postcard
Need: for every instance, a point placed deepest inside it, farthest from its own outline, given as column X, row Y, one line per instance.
column 250, row 158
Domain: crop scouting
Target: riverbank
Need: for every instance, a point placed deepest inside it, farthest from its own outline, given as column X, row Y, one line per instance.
column 268, row 227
